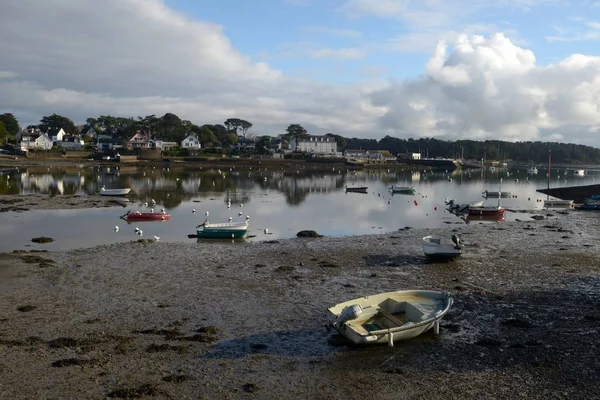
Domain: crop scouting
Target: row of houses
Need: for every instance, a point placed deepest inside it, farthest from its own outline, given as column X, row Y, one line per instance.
column 33, row 138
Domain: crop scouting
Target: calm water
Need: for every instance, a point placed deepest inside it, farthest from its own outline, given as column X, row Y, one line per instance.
column 281, row 201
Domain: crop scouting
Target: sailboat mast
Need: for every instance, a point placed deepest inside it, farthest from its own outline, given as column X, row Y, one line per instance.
column 500, row 193
column 549, row 171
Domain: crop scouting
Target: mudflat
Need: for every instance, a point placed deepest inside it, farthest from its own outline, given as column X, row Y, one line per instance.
column 223, row 320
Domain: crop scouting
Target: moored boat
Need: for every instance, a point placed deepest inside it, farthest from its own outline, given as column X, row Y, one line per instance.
column 389, row 317
column 114, row 192
column 558, row 204
column 149, row 216
column 496, row 194
column 441, row 247
column 356, row 189
column 486, row 210
column 459, row 208
column 222, row 230
column 396, row 189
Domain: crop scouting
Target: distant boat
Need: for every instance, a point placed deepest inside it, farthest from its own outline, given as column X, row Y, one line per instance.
column 402, row 189
column 496, row 194
column 356, row 189
column 389, row 317
column 222, row 230
column 441, row 247
column 579, row 172
column 114, row 192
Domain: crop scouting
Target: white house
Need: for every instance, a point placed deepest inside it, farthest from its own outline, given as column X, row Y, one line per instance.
column 55, row 134
column 191, row 142
column 315, row 144
column 32, row 141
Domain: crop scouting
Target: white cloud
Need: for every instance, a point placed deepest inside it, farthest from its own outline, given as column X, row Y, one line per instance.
column 584, row 32
column 490, row 88
column 85, row 58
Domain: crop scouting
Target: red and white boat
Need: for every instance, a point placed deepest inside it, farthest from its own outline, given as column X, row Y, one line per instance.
column 487, row 210
column 146, row 216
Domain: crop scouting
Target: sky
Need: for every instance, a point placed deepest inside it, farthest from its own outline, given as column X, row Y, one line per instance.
column 511, row 70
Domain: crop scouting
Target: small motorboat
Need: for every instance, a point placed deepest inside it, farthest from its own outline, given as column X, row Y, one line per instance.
column 441, row 247
column 222, row 230
column 395, row 189
column 389, row 317
column 356, row 189
column 460, row 208
column 114, row 192
column 486, row 210
column 146, row 216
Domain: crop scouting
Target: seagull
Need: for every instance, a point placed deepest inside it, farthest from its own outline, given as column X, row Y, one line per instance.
column 193, row 210
column 152, row 210
column 206, row 213
column 137, row 230
column 247, row 217
column 230, row 219
column 156, row 238
column 240, row 213
column 140, row 232
column 241, row 205
column 116, row 229
column 266, row 231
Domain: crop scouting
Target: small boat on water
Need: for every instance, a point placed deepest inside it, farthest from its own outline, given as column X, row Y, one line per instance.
column 222, row 230
column 496, row 194
column 440, row 247
column 114, row 192
column 356, row 189
column 460, row 208
column 486, row 210
column 396, row 189
column 389, row 317
column 146, row 216
column 558, row 204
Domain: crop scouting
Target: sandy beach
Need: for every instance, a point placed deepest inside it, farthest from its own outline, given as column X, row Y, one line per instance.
column 223, row 320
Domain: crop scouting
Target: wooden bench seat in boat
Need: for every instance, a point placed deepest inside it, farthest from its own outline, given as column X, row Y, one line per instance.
column 389, row 316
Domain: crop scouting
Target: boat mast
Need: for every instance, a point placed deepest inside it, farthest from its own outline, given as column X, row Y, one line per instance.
column 549, row 171
column 500, row 193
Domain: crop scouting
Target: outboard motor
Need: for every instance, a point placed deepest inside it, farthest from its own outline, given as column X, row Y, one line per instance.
column 456, row 241
column 348, row 313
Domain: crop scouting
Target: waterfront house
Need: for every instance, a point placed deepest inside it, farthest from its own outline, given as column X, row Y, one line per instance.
column 314, row 144
column 55, row 134
column 36, row 141
column 191, row 142
column 141, row 140
column 72, row 142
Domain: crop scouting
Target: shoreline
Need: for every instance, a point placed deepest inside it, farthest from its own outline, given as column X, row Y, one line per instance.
column 238, row 320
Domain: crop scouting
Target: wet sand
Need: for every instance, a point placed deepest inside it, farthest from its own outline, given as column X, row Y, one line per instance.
column 223, row 320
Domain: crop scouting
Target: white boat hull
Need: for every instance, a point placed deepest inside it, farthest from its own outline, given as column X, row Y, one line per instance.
column 115, row 192
column 392, row 316
column 437, row 246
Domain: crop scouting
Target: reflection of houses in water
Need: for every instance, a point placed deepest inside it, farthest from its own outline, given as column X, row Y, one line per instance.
column 237, row 197
column 307, row 184
column 46, row 183
column 415, row 176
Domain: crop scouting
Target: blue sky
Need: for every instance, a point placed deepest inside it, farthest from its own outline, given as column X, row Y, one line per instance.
column 451, row 69
column 288, row 34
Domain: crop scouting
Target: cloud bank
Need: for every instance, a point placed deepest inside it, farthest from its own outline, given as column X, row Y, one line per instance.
column 83, row 58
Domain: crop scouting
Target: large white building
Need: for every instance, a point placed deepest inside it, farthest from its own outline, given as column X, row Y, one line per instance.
column 315, row 144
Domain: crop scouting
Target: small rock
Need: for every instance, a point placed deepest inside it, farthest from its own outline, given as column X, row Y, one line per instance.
column 26, row 308
column 308, row 234
column 42, row 239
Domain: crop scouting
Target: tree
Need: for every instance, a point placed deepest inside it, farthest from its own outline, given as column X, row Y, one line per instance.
column 296, row 130
column 245, row 127
column 10, row 123
column 205, row 134
column 58, row 121
column 263, row 144
column 230, row 138
column 3, row 133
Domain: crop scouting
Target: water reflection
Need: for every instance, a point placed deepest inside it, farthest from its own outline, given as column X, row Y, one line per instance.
column 284, row 201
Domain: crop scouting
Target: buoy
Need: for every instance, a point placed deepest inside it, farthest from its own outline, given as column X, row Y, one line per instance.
column 435, row 208
column 266, row 231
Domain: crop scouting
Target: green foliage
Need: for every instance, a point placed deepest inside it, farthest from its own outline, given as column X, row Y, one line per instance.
column 58, row 121
column 296, row 130
column 3, row 133
column 263, row 145
column 10, row 123
column 238, row 126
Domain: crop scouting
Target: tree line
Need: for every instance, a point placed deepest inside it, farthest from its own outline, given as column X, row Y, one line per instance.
column 170, row 127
